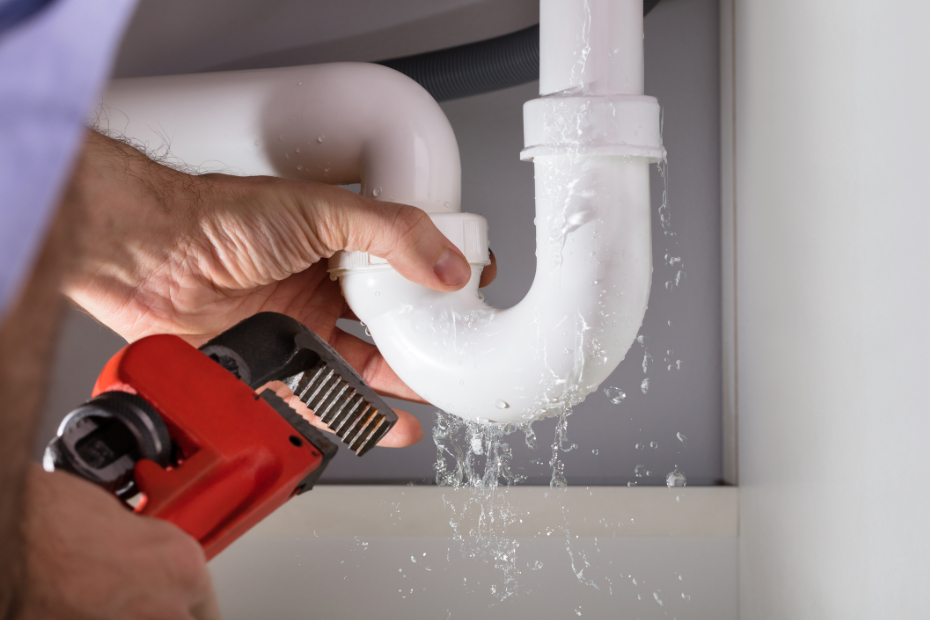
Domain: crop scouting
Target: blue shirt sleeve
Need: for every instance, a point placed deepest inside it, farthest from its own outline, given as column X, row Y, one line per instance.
column 14, row 12
column 52, row 66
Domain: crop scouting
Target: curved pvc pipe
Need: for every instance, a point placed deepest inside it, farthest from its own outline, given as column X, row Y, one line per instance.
column 594, row 268
column 592, row 139
column 338, row 123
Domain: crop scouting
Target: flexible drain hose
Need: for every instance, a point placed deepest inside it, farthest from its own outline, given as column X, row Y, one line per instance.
column 481, row 67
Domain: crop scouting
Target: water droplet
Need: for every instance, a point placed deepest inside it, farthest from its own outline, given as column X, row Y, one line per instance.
column 320, row 138
column 502, row 404
column 287, row 156
column 578, row 611
column 644, row 386
column 658, row 600
column 675, row 479
column 297, row 149
column 638, row 471
column 631, row 484
column 300, row 167
column 595, row 452
column 447, row 204
column 376, row 192
column 640, row 446
column 614, row 394
column 682, row 437
column 367, row 332
column 653, row 444
column 477, row 446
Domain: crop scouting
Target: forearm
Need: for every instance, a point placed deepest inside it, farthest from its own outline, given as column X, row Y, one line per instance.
column 27, row 335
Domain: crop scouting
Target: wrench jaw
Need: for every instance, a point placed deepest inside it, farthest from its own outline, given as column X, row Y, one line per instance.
column 273, row 347
column 339, row 405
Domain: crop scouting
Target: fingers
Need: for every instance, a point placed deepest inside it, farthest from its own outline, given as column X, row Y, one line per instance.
column 189, row 565
column 368, row 362
column 489, row 272
column 208, row 608
column 81, row 546
column 402, row 234
column 348, row 313
column 405, row 432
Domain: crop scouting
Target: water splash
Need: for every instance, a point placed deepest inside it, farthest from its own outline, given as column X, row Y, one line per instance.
column 675, row 478
column 474, row 460
column 614, row 395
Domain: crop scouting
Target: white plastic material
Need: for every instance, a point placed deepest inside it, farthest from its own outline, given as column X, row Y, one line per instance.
column 591, row 143
column 594, row 267
column 339, row 123
column 590, row 47
column 584, row 125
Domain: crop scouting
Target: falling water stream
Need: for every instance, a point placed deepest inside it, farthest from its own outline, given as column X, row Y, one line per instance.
column 475, row 461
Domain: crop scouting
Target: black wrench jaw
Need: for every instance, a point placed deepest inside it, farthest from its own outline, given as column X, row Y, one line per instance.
column 261, row 348
column 274, row 347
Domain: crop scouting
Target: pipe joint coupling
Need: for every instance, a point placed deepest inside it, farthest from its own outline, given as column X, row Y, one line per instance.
column 624, row 125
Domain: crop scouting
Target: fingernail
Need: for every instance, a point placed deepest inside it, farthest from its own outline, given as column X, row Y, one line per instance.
column 452, row 269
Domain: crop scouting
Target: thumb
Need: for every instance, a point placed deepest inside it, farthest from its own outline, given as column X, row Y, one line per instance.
column 403, row 235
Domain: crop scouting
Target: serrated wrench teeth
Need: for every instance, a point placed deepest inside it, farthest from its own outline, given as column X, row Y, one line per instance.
column 338, row 405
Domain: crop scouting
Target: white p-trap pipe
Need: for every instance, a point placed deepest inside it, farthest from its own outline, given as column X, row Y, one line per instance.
column 591, row 137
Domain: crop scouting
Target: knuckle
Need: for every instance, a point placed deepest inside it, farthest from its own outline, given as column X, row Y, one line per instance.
column 409, row 220
column 410, row 225
column 187, row 563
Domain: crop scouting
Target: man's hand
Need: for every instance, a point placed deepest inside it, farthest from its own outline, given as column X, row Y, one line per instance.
column 160, row 251
column 88, row 558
